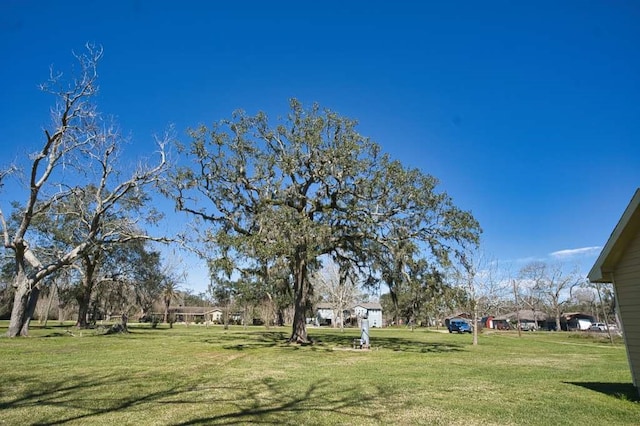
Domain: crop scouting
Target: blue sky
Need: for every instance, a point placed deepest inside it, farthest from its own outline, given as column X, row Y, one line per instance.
column 527, row 112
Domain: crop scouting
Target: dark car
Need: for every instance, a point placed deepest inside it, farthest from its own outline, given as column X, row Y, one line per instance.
column 459, row 326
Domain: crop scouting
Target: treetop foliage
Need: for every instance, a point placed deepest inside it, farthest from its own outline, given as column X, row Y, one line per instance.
column 308, row 186
column 311, row 181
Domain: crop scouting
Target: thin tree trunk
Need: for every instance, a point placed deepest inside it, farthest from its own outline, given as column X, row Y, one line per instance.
column 225, row 317
column 166, row 310
column 515, row 295
column 52, row 292
column 605, row 319
column 475, row 323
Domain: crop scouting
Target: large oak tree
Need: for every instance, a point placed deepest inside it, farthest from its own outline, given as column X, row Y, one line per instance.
column 308, row 186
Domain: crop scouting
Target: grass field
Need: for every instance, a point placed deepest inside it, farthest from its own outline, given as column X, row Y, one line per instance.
column 197, row 375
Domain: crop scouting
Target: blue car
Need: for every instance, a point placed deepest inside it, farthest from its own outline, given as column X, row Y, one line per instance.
column 459, row 326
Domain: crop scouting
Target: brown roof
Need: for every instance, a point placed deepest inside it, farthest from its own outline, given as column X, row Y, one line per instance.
column 194, row 309
column 524, row 314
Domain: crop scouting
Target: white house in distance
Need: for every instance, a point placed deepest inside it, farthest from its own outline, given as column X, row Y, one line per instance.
column 619, row 264
column 352, row 315
column 372, row 311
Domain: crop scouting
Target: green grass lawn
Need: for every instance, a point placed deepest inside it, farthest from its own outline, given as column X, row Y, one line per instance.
column 198, row 375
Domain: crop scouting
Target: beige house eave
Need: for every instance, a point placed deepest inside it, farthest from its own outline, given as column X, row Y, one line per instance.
column 623, row 233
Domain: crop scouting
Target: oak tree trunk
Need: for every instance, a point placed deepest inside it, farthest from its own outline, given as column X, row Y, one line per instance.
column 20, row 307
column 19, row 323
column 84, row 300
column 31, row 308
column 24, row 305
column 301, row 290
column 84, row 297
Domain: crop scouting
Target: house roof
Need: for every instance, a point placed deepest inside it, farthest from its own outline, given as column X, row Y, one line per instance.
column 524, row 315
column 370, row 305
column 578, row 315
column 465, row 315
column 627, row 228
column 194, row 309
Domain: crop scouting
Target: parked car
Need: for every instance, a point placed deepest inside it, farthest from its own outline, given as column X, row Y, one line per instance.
column 527, row 325
column 459, row 326
column 598, row 326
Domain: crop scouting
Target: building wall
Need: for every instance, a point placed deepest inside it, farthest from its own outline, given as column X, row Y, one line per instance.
column 325, row 313
column 373, row 315
column 627, row 284
column 360, row 311
column 375, row 318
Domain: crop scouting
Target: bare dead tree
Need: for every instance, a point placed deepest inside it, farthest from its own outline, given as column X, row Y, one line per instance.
column 338, row 288
column 552, row 284
column 79, row 147
column 482, row 279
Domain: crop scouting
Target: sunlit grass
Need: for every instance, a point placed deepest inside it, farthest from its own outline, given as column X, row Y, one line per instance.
column 200, row 375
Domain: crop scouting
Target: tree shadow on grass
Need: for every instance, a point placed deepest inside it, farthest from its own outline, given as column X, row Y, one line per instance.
column 397, row 344
column 327, row 342
column 272, row 403
column 248, row 340
column 68, row 330
column 71, row 394
column 623, row 391
column 243, row 340
column 87, row 399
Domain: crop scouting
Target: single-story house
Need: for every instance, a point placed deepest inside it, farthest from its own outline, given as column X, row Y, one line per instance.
column 196, row 314
column 619, row 264
column 497, row 323
column 529, row 318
